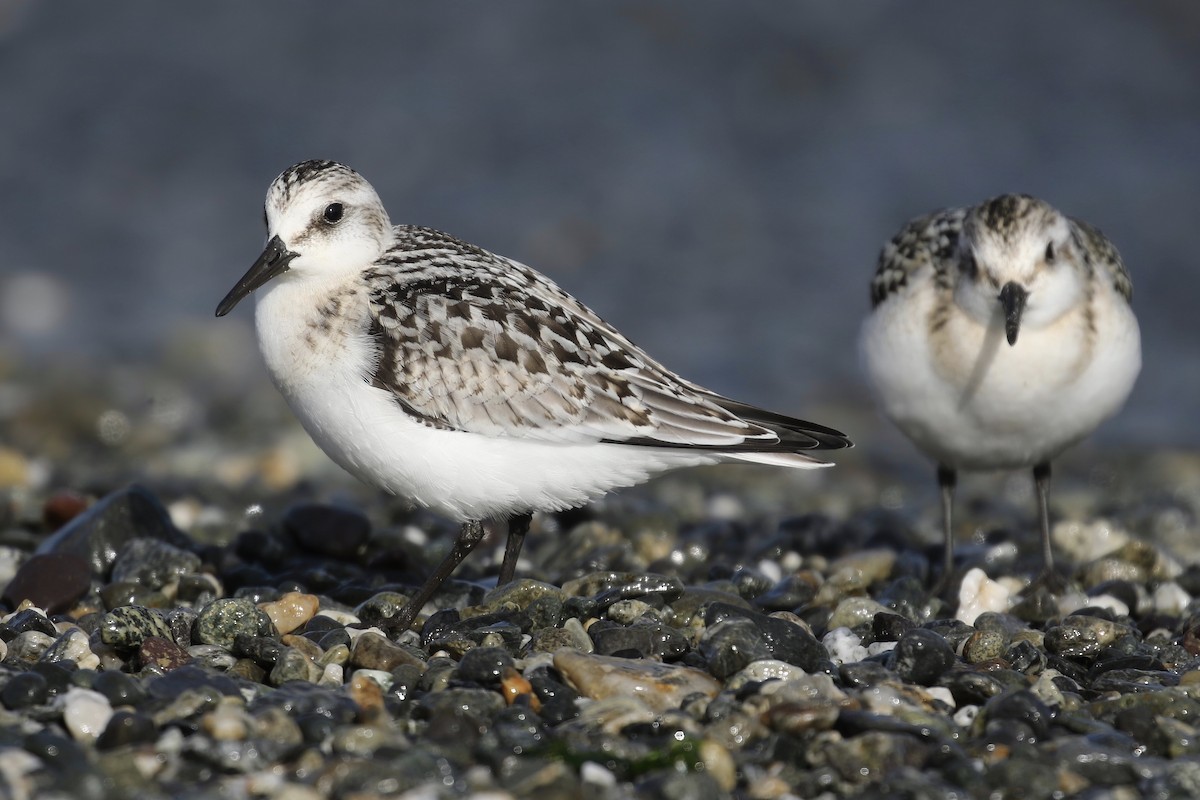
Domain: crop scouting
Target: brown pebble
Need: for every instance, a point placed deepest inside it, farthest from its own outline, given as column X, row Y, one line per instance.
column 291, row 611
column 162, row 653
column 50, row 581
column 62, row 507
column 372, row 651
column 514, row 686
column 659, row 686
column 368, row 696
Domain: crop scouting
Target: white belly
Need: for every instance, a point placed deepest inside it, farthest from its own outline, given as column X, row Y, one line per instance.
column 970, row 400
column 462, row 475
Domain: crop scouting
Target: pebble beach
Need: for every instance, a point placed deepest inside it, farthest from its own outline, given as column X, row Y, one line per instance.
column 192, row 597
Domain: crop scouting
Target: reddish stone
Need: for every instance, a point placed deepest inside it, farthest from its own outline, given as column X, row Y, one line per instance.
column 51, row 581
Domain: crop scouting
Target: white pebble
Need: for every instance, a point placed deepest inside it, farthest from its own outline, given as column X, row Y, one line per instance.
column 1088, row 541
column 965, row 716
column 844, row 646
column 978, row 594
column 85, row 713
column 593, row 773
column 1171, row 598
column 333, row 675
column 1111, row 603
column 880, row 647
column 941, row 693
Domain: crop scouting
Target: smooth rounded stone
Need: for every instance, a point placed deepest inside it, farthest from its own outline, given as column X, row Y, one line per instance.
column 27, row 647
column 921, row 656
column 887, row 627
column 31, row 619
column 127, row 728
column 696, row 599
column 308, row 647
column 785, row 637
column 606, row 588
column 222, row 621
column 1023, row 706
column 291, row 611
column 338, row 654
column 86, row 713
column 482, row 704
column 484, row 666
column 72, row 646
column 1104, row 570
column 126, row 627
column 119, row 689
column 228, row 721
column 984, row 646
column 99, row 533
column 519, row 593
column 23, row 690
column 373, row 651
column 732, row 644
column 1170, row 598
column 660, row 686
column 1079, row 636
column 53, row 581
column 645, row 639
column 550, row 640
column 789, row 593
column 380, row 608
column 292, row 665
column 626, row 612
column 333, row 639
column 198, row 589
column 162, row 654
column 978, row 594
column 115, row 595
column 327, row 530
column 152, row 563
column 855, row 612
column 867, row 567
column 1037, row 607
column 212, row 656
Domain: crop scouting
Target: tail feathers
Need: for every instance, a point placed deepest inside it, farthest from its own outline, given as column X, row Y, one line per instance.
column 794, row 434
column 777, row 459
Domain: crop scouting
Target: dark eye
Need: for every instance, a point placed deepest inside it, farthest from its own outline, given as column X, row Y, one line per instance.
column 333, row 213
column 1050, row 253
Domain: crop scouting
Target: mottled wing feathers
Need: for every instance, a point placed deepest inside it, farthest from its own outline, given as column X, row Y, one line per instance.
column 475, row 342
column 1103, row 256
column 931, row 240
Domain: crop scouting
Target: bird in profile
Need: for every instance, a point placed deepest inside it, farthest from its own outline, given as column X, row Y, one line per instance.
column 1000, row 335
column 467, row 382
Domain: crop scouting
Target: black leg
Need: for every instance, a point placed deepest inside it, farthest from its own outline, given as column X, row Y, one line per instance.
column 518, row 526
column 1049, row 579
column 947, row 480
column 469, row 535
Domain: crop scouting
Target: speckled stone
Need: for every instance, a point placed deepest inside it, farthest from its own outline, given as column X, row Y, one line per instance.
column 152, row 563
column 222, row 621
column 127, row 627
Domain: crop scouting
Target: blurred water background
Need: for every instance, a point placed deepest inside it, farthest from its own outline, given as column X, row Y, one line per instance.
column 714, row 178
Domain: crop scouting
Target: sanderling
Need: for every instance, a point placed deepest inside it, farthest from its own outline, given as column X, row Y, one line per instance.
column 467, row 382
column 950, row 289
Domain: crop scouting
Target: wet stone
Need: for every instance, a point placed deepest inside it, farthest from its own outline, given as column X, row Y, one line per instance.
column 181, row 621
column 127, row 627
column 152, row 563
column 659, row 686
column 484, row 666
column 1081, row 636
column 984, row 646
column 223, row 620
column 381, row 608
column 99, row 533
column 785, row 640
column 119, row 689
column 372, row 651
column 27, row 647
column 328, row 530
column 921, row 656
column 291, row 611
column 856, row 613
column 24, row 690
column 292, row 665
column 731, row 645
column 52, row 581
column 887, row 627
column 31, row 620
column 642, row 639
column 127, row 728
column 72, row 646
column 163, row 654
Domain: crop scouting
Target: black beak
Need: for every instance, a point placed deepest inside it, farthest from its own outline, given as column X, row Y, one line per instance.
column 272, row 263
column 1013, row 297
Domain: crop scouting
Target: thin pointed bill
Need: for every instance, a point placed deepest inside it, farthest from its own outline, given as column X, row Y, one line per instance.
column 1012, row 299
column 271, row 264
